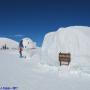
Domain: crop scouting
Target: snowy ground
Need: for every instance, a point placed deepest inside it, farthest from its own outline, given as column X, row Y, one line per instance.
column 32, row 75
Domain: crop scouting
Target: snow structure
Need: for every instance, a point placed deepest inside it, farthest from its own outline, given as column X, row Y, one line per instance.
column 11, row 44
column 28, row 43
column 29, row 47
column 73, row 39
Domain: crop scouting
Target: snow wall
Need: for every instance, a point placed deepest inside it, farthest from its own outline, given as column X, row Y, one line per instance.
column 73, row 39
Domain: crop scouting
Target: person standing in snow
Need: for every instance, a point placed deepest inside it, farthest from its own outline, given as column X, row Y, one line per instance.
column 21, row 48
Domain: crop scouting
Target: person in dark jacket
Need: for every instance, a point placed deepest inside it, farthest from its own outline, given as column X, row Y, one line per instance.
column 21, row 48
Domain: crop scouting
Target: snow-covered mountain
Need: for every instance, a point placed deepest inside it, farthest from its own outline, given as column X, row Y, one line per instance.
column 9, row 43
column 73, row 39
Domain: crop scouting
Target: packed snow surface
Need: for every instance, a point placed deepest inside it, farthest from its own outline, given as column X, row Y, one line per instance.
column 28, row 74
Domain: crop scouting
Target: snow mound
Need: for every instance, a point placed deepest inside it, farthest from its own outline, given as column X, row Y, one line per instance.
column 30, row 48
column 73, row 39
column 9, row 43
column 28, row 43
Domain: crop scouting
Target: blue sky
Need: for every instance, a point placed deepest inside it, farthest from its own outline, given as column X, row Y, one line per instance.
column 35, row 18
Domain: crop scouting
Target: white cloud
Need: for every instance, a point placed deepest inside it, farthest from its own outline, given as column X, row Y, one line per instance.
column 18, row 35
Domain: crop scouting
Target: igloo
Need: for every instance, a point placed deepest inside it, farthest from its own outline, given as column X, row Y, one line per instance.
column 28, row 43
